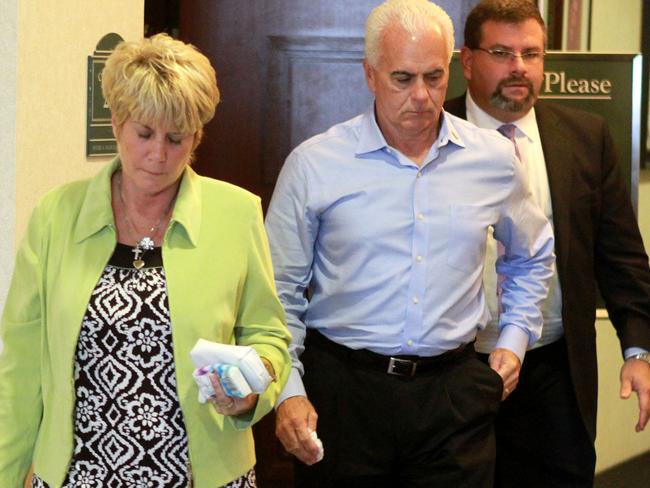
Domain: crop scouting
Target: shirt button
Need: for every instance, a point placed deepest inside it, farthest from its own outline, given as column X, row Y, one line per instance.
column 410, row 343
column 420, row 216
column 416, row 300
column 419, row 174
column 419, row 259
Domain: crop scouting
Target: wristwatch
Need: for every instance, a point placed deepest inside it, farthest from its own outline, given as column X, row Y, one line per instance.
column 643, row 356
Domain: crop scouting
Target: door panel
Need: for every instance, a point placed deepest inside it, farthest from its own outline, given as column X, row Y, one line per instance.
column 314, row 83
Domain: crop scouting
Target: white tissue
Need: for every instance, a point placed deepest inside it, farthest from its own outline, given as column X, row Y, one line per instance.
column 319, row 443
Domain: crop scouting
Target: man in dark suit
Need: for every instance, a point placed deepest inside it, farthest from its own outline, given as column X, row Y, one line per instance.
column 546, row 428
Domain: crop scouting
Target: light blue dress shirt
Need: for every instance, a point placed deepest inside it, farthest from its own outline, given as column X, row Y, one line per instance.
column 533, row 158
column 393, row 253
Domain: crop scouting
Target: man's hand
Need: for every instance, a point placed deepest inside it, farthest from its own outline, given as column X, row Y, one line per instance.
column 635, row 376
column 295, row 420
column 507, row 364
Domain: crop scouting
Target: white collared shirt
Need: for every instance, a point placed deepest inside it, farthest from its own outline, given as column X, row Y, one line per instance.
column 532, row 155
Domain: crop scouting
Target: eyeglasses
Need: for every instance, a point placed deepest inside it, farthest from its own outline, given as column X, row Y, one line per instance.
column 503, row 56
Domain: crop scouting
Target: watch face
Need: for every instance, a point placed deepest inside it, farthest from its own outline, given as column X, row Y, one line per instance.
column 644, row 356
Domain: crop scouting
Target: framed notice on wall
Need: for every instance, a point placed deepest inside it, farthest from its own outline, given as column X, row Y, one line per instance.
column 99, row 133
column 607, row 84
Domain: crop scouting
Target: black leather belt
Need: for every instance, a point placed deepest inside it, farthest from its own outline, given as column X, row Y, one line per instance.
column 396, row 365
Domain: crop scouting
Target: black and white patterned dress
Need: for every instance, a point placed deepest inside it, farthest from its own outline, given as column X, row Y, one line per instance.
column 129, row 428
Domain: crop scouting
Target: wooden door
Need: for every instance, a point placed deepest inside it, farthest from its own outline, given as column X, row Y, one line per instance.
column 287, row 69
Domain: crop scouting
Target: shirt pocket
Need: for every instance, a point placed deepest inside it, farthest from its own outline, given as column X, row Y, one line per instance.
column 468, row 229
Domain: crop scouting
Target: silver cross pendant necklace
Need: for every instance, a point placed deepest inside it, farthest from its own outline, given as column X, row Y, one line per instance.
column 146, row 243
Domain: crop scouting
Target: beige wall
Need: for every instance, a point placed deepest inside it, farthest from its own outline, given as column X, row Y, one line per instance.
column 8, row 68
column 44, row 45
column 616, row 439
column 616, row 27
column 55, row 38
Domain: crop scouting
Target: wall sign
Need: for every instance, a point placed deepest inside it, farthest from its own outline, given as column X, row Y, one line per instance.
column 607, row 84
column 99, row 134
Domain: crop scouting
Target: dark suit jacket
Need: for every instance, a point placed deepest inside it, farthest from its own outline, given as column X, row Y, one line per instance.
column 597, row 240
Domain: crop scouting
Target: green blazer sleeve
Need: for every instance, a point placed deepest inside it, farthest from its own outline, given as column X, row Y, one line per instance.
column 260, row 322
column 20, row 391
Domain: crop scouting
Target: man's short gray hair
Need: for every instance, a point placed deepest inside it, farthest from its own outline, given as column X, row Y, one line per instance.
column 414, row 16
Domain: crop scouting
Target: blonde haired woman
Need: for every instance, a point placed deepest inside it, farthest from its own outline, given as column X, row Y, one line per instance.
column 117, row 278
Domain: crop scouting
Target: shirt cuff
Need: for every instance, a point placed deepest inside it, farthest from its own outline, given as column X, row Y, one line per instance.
column 294, row 387
column 514, row 339
column 633, row 351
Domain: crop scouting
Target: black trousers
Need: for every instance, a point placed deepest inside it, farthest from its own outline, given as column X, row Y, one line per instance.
column 540, row 434
column 379, row 430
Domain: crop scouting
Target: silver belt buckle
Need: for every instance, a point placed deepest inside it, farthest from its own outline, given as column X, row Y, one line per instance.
column 401, row 367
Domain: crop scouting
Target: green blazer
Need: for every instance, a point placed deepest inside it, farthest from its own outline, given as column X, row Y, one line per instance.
column 221, row 288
